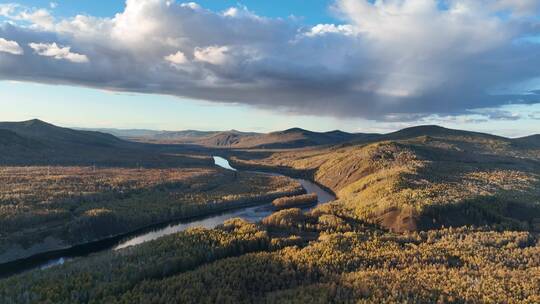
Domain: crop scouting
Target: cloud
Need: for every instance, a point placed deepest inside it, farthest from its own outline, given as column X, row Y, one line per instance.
column 176, row 58
column 7, row 9
column 323, row 29
column 498, row 114
column 11, row 47
column 57, row 52
column 213, row 54
column 37, row 17
column 391, row 60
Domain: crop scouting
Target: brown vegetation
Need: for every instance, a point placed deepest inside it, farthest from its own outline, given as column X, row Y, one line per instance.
column 74, row 205
column 295, row 201
column 415, row 181
column 242, row 263
column 421, row 182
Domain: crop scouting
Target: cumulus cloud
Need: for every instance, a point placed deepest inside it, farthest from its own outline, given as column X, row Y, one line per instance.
column 176, row 58
column 11, row 47
column 213, row 54
column 392, row 60
column 323, row 29
column 38, row 18
column 57, row 52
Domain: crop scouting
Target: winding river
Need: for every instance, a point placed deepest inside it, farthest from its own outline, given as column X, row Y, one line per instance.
column 252, row 214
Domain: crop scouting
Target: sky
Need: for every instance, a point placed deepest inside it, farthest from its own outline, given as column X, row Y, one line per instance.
column 355, row 65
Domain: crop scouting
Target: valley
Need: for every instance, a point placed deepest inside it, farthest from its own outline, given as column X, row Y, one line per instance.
column 420, row 212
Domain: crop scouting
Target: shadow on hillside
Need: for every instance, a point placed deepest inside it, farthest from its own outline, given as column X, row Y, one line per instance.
column 108, row 158
column 483, row 211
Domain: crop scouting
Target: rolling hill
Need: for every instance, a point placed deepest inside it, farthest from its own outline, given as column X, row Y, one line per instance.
column 146, row 135
column 528, row 141
column 297, row 138
column 48, row 133
column 423, row 177
column 35, row 142
column 287, row 139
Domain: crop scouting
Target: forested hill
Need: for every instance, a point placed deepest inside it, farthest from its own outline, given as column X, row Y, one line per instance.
column 286, row 139
column 423, row 215
column 47, row 133
column 424, row 177
column 35, row 142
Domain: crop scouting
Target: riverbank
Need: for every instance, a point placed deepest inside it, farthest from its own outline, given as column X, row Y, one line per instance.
column 121, row 211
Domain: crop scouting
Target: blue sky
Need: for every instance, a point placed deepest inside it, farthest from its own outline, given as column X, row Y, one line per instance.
column 310, row 11
column 269, row 65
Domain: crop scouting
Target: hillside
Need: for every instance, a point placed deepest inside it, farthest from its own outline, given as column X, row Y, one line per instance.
column 224, row 139
column 155, row 135
column 45, row 132
column 10, row 139
column 425, row 177
column 528, row 141
column 483, row 189
column 287, row 139
column 35, row 142
column 296, row 138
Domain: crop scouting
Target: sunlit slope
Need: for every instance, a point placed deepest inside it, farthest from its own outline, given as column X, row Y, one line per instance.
column 410, row 181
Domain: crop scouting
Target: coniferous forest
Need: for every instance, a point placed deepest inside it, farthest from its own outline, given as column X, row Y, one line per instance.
column 451, row 217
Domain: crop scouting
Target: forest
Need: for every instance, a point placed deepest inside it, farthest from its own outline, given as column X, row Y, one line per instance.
column 54, row 207
column 318, row 260
column 295, row 201
column 418, row 218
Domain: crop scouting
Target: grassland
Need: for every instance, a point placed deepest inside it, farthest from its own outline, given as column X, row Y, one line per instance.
column 46, row 208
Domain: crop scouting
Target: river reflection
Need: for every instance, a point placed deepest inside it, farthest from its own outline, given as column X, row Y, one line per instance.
column 252, row 214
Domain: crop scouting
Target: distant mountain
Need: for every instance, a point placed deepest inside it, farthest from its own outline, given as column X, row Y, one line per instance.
column 124, row 133
column 223, row 139
column 434, row 131
column 36, row 142
column 420, row 178
column 48, row 133
column 296, row 138
column 290, row 138
column 185, row 135
column 287, row 139
column 155, row 135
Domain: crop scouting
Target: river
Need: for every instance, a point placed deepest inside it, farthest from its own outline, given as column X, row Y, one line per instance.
column 252, row 214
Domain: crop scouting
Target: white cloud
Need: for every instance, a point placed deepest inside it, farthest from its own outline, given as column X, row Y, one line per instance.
column 57, row 52
column 41, row 17
column 191, row 5
column 53, row 5
column 7, row 9
column 384, row 59
column 323, row 29
column 217, row 55
column 176, row 58
column 11, row 47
